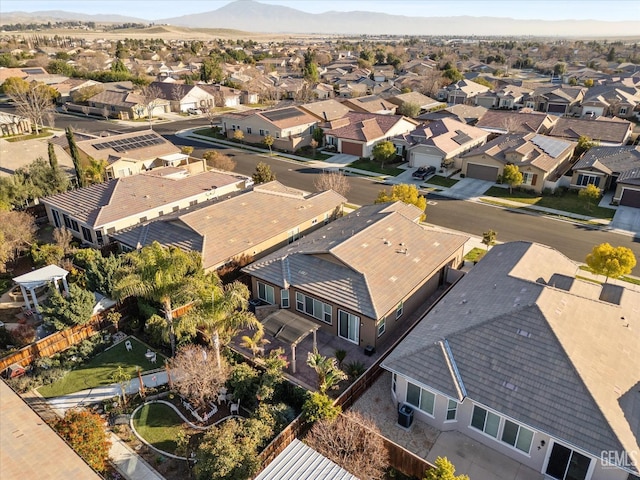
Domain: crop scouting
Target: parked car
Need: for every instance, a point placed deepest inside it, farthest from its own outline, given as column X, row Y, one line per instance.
column 424, row 172
column 194, row 111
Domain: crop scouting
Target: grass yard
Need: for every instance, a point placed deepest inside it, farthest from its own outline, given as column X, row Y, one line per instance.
column 208, row 132
column 567, row 202
column 374, row 166
column 18, row 138
column 441, row 181
column 475, row 254
column 100, row 369
column 624, row 278
column 159, row 425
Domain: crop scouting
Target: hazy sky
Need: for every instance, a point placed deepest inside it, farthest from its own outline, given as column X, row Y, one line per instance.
column 526, row 9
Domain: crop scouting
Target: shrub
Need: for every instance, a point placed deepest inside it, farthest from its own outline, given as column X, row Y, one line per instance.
column 23, row 335
column 319, row 407
column 354, row 369
column 244, row 382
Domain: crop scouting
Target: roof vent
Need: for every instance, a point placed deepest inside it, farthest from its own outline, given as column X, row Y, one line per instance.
column 510, row 386
column 386, row 242
column 524, row 333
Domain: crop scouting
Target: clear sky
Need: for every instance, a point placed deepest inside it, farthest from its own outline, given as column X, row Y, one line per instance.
column 525, row 9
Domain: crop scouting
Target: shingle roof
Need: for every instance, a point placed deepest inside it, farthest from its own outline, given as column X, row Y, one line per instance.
column 602, row 129
column 108, row 202
column 405, row 254
column 572, row 364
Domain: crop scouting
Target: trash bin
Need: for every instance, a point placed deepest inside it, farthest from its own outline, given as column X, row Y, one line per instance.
column 405, row 416
column 369, row 350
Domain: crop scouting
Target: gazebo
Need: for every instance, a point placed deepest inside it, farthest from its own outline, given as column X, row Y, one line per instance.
column 38, row 278
column 290, row 328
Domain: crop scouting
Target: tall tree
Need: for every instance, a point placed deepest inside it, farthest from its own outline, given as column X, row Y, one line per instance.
column 329, row 374
column 85, row 432
column 156, row 273
column 75, row 156
column 151, row 99
column 33, row 100
column 512, row 176
column 263, row 173
column 405, row 193
column 75, row 308
column 53, row 159
column 332, row 180
column 17, row 231
column 610, row 261
column 384, row 152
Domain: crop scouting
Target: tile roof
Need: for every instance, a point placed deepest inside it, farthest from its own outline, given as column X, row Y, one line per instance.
column 371, row 104
column 146, row 145
column 29, row 448
column 334, row 262
column 601, row 129
column 364, row 127
column 108, row 202
column 446, row 134
column 326, row 110
column 513, row 122
column 610, row 159
column 573, row 357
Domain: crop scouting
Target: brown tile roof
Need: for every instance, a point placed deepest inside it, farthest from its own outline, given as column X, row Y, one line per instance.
column 601, row 129
column 370, row 103
column 446, row 134
column 364, row 127
column 326, row 110
column 29, row 448
column 513, row 122
column 148, row 148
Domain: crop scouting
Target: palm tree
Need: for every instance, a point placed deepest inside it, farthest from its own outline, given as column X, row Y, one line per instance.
column 329, row 375
column 220, row 313
column 96, row 171
column 156, row 273
column 254, row 342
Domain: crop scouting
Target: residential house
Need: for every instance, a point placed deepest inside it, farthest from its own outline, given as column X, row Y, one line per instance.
column 425, row 103
column 357, row 133
column 182, row 97
column 22, row 73
column 611, row 100
column 461, row 92
column 538, row 157
column 611, row 168
column 248, row 225
column 437, row 143
column 326, row 110
column 468, row 114
column 323, row 91
column 499, row 122
column 11, row 124
column 556, row 100
column 224, row 96
column 608, row 132
column 123, row 104
column 94, row 212
column 291, row 127
column 329, row 277
column 506, row 97
column 29, row 446
column 371, row 104
column 524, row 357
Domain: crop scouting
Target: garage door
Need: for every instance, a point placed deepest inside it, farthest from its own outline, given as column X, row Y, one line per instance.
column 482, row 172
column 425, row 160
column 555, row 108
column 352, row 148
column 630, row 198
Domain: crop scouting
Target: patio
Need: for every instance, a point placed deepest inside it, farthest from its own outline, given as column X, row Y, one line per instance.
column 469, row 456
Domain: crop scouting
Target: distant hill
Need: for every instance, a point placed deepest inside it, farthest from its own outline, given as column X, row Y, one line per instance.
column 252, row 16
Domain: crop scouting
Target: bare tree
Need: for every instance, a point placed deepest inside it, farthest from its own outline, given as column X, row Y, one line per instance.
column 218, row 160
column 177, row 92
column 33, row 100
column 510, row 123
column 352, row 441
column 62, row 237
column 197, row 375
column 150, row 95
column 17, row 230
column 332, row 180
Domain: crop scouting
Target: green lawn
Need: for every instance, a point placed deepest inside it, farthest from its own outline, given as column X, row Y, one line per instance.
column 159, row 425
column 99, row 370
column 568, row 202
column 208, row 132
column 441, row 181
column 475, row 254
column 374, row 166
column 18, row 138
column 624, row 278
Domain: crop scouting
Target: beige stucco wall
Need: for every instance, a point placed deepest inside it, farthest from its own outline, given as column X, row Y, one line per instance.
column 489, row 161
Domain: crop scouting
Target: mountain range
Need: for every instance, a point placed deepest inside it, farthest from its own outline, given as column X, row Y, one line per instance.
column 252, row 16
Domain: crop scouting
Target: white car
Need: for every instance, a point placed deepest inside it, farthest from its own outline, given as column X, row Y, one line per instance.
column 194, row 111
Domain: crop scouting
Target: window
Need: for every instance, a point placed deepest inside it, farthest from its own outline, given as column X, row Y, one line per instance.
column 399, row 309
column 176, row 208
column 294, row 235
column 56, row 218
column 284, row 298
column 261, row 132
column 584, row 180
column 311, row 129
column 193, row 202
column 349, row 326
column 67, row 221
column 420, row 398
column 277, row 135
column 485, row 421
column 529, row 178
column 381, row 326
column 567, row 464
column 452, row 410
column 75, row 226
column 249, row 130
column 160, row 213
column 326, row 218
column 517, row 436
column 622, row 111
column 99, row 237
column 266, row 293
column 317, row 309
column 86, row 234
column 394, row 380
column 314, row 221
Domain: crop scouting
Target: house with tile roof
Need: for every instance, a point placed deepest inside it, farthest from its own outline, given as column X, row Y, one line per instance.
column 608, row 132
column 291, row 127
column 371, row 104
column 125, row 104
column 94, row 212
column 611, row 168
column 538, row 157
column 182, row 97
column 461, row 92
column 356, row 133
column 611, row 100
column 556, row 100
column 360, row 276
column 524, row 357
column 504, row 97
column 426, row 103
column 499, row 122
column 248, row 225
column 439, row 142
column 326, row 110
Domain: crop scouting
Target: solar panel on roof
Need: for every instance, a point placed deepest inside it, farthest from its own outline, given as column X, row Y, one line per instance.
column 368, row 99
column 283, row 114
column 32, row 71
column 550, row 146
column 123, row 144
column 461, row 138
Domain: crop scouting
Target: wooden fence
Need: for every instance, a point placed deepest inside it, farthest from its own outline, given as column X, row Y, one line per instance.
column 404, row 461
column 282, row 441
column 60, row 341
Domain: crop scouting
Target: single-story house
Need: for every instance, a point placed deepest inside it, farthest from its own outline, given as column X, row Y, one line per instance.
column 371, row 104
column 247, row 225
column 524, row 357
column 15, row 155
column 329, row 277
column 356, row 133
column 91, row 213
column 608, row 132
column 462, row 91
column 11, row 124
column 556, row 100
column 124, row 104
column 438, row 142
column 425, row 103
column 506, row 97
column 326, row 110
column 182, row 97
column 500, row 122
column 469, row 114
column 611, row 100
column 291, row 127
column 611, row 168
column 538, row 158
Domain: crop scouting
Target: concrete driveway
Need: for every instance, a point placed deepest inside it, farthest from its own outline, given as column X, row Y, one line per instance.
column 467, row 188
column 626, row 218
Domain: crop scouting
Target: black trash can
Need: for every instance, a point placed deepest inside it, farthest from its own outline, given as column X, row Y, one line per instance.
column 405, row 415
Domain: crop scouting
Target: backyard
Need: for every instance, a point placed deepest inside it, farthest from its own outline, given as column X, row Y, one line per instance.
column 159, row 425
column 100, row 369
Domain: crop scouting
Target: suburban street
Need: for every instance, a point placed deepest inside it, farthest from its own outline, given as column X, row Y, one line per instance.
column 574, row 240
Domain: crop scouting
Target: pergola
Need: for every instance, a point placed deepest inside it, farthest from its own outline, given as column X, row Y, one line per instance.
column 37, row 278
column 290, row 328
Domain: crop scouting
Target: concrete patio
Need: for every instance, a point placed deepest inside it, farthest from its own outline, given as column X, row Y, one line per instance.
column 469, row 456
